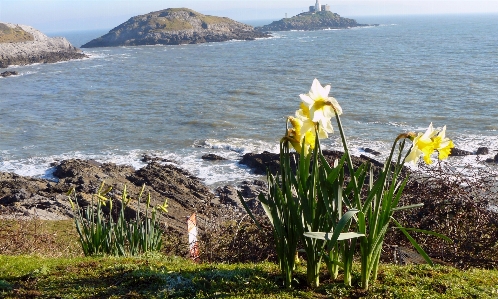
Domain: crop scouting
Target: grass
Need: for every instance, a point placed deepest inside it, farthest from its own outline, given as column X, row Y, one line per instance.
column 12, row 35
column 158, row 276
column 50, row 264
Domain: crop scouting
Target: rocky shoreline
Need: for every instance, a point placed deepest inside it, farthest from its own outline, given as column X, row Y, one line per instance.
column 33, row 47
column 443, row 198
column 26, row 197
column 33, row 197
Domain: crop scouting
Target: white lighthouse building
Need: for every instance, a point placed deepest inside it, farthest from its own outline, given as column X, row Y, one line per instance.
column 317, row 6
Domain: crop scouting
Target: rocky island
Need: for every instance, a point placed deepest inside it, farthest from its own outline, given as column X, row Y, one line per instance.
column 21, row 45
column 175, row 26
column 316, row 20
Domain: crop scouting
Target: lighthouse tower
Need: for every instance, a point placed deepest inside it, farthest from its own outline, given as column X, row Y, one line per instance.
column 317, row 6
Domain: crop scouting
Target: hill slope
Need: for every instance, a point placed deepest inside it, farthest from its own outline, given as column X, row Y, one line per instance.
column 175, row 26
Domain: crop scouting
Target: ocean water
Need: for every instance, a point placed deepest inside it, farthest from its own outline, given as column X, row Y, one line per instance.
column 230, row 98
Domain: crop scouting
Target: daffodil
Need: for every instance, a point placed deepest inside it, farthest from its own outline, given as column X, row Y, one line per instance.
column 321, row 107
column 308, row 125
column 296, row 134
column 425, row 144
column 422, row 145
column 164, row 206
column 442, row 144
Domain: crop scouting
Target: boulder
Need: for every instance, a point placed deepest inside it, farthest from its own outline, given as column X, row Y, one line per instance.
column 9, row 73
column 212, row 157
column 371, row 151
column 482, row 151
column 459, row 152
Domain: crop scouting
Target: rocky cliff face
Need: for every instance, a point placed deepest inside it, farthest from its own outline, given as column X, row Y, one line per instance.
column 311, row 21
column 21, row 44
column 175, row 26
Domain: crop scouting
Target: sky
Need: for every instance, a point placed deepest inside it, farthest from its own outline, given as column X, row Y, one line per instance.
column 70, row 15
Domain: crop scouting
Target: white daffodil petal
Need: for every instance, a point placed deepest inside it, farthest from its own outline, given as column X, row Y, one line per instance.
column 306, row 99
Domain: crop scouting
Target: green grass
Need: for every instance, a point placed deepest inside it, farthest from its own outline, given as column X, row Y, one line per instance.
column 50, row 264
column 158, row 276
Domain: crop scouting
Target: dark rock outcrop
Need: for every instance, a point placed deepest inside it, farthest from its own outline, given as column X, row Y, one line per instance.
column 30, row 197
column 212, row 157
column 312, row 21
column 260, row 163
column 175, row 26
column 493, row 160
column 459, row 152
column 482, row 151
column 371, row 151
column 9, row 73
column 21, row 45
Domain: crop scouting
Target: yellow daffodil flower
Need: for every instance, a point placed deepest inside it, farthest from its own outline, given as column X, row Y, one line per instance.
column 308, row 125
column 422, row 145
column 296, row 134
column 321, row 107
column 442, row 144
column 164, row 206
column 425, row 144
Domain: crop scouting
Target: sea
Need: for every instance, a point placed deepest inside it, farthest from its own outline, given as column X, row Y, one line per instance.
column 231, row 98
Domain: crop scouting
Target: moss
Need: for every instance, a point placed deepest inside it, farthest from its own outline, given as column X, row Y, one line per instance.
column 169, row 24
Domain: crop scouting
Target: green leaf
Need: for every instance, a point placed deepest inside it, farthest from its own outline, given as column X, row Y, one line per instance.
column 329, row 236
column 418, row 205
column 414, row 243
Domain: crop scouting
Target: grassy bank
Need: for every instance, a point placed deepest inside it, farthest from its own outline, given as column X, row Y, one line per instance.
column 160, row 276
column 42, row 259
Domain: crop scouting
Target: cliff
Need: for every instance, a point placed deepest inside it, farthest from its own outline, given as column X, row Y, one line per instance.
column 312, row 21
column 175, row 26
column 21, row 44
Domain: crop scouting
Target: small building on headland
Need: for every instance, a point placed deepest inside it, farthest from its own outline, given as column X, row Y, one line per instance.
column 317, row 7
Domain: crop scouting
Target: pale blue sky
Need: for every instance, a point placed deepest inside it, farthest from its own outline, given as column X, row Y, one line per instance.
column 66, row 15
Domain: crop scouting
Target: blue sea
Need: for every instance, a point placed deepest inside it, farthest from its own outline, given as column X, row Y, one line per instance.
column 231, row 98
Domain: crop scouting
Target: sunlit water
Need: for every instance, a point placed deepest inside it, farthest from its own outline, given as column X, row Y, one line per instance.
column 180, row 102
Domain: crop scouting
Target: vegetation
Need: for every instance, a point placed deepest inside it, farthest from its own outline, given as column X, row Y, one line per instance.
column 156, row 276
column 100, row 233
column 13, row 35
column 170, row 22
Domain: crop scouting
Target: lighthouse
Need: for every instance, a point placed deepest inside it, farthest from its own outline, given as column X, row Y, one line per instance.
column 317, row 6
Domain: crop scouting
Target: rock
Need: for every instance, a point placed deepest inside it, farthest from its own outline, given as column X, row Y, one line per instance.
column 260, row 163
column 186, row 194
column 212, row 157
column 482, row 151
column 175, row 26
column 312, row 21
column 21, row 45
column 458, row 152
column 7, row 73
column 249, row 190
column 371, row 151
column 148, row 158
column 493, row 160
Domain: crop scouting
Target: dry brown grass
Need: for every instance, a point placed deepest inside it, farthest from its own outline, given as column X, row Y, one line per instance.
column 13, row 35
column 39, row 237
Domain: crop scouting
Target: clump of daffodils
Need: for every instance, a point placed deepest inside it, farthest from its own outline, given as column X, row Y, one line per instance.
column 313, row 118
column 425, row 144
